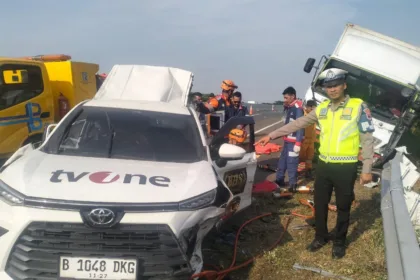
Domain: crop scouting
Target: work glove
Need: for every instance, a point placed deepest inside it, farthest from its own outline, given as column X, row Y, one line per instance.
column 296, row 149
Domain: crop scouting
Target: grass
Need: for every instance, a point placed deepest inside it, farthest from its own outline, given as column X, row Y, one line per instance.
column 365, row 258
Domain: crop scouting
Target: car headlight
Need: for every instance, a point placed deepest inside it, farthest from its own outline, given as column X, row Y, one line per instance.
column 10, row 196
column 198, row 202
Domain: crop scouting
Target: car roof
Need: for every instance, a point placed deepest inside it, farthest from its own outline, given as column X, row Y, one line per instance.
column 146, row 83
column 154, row 106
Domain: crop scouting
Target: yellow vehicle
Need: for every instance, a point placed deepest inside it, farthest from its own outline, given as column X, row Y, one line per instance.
column 37, row 91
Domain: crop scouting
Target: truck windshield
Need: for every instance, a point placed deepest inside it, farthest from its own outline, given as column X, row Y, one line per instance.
column 131, row 134
column 382, row 95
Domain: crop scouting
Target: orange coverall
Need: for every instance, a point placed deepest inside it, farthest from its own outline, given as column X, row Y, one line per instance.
column 307, row 151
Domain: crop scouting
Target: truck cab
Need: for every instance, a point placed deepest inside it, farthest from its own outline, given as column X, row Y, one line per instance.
column 30, row 93
column 382, row 71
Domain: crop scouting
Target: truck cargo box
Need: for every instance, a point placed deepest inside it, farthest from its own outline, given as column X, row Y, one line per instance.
column 375, row 52
column 75, row 80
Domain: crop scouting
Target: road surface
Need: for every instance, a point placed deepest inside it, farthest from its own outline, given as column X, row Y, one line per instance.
column 266, row 121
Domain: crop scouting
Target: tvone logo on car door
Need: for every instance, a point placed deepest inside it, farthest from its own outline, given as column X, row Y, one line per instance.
column 106, row 177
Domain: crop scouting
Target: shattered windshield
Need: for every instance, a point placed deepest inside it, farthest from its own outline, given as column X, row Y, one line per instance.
column 132, row 134
column 382, row 95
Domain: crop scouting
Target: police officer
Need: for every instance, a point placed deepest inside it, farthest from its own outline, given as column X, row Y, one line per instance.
column 345, row 123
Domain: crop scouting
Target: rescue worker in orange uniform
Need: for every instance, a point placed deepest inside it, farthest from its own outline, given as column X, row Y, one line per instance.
column 222, row 101
column 211, row 98
column 307, row 150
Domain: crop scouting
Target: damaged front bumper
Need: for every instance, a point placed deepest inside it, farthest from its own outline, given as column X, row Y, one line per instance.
column 167, row 245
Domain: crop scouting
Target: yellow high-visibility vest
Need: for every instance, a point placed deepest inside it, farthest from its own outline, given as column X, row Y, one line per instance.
column 339, row 136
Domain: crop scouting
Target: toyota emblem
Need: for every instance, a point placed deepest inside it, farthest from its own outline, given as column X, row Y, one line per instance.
column 101, row 216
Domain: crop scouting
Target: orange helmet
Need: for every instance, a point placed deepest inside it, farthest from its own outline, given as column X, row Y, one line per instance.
column 228, row 85
column 237, row 135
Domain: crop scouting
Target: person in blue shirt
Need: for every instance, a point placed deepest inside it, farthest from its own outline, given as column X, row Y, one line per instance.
column 236, row 109
column 289, row 157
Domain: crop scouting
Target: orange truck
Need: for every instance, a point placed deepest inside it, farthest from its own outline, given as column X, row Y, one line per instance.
column 37, row 91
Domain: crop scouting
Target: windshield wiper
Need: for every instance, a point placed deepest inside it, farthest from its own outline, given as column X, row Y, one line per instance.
column 111, row 141
column 112, row 134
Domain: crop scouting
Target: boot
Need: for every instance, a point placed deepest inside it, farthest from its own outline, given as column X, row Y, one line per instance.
column 316, row 244
column 338, row 251
column 281, row 188
column 293, row 188
column 280, row 183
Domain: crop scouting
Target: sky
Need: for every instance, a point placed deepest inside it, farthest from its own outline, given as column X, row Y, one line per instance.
column 262, row 45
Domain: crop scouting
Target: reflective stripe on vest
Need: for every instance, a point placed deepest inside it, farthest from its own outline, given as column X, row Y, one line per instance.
column 339, row 136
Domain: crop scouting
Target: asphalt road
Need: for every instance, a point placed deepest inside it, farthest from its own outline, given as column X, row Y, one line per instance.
column 266, row 121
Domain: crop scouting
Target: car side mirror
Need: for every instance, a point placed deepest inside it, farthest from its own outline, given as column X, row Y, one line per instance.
column 231, row 152
column 309, row 65
column 47, row 131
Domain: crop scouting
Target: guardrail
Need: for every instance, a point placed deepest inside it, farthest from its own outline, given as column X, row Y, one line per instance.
column 401, row 246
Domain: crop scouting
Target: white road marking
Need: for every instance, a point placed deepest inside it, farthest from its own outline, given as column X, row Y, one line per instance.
column 268, row 126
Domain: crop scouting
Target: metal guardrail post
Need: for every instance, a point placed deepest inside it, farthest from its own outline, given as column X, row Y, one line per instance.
column 401, row 245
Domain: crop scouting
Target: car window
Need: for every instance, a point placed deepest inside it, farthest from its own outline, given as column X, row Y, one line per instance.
column 238, row 131
column 19, row 83
column 133, row 134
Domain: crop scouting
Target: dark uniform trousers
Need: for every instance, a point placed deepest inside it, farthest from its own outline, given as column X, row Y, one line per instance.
column 341, row 178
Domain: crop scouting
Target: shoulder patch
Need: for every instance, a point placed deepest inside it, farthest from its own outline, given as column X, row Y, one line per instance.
column 368, row 114
column 365, row 121
column 366, row 111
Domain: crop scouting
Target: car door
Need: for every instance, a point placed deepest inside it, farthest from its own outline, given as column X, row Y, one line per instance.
column 238, row 175
column 24, row 100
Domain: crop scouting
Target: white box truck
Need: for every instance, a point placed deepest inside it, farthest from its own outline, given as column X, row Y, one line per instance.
column 385, row 73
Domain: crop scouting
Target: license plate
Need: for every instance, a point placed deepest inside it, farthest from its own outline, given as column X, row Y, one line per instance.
column 97, row 268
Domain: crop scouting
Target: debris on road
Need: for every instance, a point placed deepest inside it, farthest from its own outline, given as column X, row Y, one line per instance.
column 320, row 271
